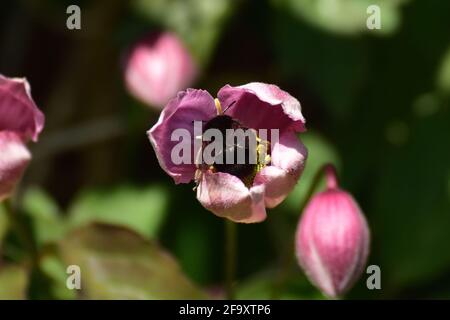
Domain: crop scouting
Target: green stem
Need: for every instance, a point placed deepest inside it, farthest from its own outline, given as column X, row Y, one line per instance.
column 230, row 257
column 287, row 257
column 21, row 230
column 315, row 183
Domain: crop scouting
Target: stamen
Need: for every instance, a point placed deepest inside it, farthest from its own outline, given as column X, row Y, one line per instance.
column 261, row 149
column 197, row 178
column 218, row 106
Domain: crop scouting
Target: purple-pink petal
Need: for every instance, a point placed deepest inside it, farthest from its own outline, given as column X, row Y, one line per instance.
column 263, row 106
column 190, row 105
column 280, row 177
column 18, row 112
column 289, row 154
column 226, row 196
column 14, row 158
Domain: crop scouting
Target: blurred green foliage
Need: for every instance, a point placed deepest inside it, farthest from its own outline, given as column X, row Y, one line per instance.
column 345, row 16
column 141, row 209
column 45, row 216
column 13, row 283
column 3, row 223
column 198, row 22
column 118, row 264
column 320, row 152
column 376, row 105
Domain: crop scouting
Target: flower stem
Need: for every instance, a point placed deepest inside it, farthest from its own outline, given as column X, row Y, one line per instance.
column 287, row 256
column 325, row 169
column 230, row 257
column 331, row 176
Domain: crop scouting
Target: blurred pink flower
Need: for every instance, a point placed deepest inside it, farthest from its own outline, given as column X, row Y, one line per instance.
column 234, row 194
column 157, row 67
column 20, row 121
column 332, row 241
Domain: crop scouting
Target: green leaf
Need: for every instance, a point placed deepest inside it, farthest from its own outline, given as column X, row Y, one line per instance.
column 13, row 282
column 54, row 270
column 198, row 22
column 345, row 16
column 116, row 263
column 46, row 220
column 320, row 152
column 142, row 210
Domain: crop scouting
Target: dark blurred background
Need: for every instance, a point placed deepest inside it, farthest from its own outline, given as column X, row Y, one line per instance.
column 376, row 104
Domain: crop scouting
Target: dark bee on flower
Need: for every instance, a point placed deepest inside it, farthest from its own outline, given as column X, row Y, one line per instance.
column 222, row 123
column 244, row 170
column 256, row 106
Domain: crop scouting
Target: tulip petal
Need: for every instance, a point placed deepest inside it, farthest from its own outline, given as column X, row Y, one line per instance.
column 288, row 159
column 226, row 196
column 14, row 158
column 263, row 106
column 190, row 105
column 18, row 111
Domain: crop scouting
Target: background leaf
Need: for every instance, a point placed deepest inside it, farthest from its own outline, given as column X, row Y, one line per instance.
column 119, row 264
column 140, row 209
column 46, row 220
column 53, row 269
column 345, row 16
column 198, row 22
column 13, row 282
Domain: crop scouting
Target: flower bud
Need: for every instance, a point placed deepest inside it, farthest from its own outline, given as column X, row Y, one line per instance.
column 332, row 240
column 157, row 67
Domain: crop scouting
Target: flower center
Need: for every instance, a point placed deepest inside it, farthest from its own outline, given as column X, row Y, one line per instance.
column 243, row 153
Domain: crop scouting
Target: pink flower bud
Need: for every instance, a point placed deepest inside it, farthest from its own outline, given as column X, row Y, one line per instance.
column 157, row 67
column 332, row 240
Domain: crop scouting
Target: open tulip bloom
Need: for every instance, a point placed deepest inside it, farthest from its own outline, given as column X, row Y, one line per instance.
column 20, row 121
column 195, row 140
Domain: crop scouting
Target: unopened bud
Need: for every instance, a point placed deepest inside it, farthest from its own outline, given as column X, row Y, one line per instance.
column 332, row 240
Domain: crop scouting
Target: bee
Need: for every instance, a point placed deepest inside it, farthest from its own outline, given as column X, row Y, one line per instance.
column 245, row 171
column 241, row 170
